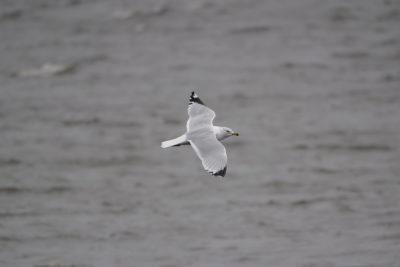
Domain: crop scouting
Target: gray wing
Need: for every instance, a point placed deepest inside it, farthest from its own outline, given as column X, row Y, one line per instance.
column 210, row 151
column 201, row 136
column 200, row 115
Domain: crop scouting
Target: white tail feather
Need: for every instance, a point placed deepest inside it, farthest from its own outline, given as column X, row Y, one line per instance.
column 181, row 140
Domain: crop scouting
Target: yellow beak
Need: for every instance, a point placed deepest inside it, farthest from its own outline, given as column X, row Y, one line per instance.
column 235, row 134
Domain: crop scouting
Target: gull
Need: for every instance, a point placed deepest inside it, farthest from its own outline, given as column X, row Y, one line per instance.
column 204, row 137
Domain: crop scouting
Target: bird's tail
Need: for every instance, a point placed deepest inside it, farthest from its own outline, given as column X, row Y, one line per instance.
column 181, row 140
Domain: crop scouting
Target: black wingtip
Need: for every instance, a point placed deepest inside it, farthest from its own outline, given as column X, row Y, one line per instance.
column 220, row 173
column 194, row 98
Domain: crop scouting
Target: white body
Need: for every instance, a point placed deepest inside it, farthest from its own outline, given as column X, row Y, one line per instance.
column 220, row 133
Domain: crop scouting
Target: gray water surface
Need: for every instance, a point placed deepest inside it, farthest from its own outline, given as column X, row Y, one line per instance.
column 89, row 89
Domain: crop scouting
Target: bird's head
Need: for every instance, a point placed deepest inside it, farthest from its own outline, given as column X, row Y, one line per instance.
column 229, row 132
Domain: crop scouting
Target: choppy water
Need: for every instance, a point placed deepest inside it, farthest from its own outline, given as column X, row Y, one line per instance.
column 90, row 88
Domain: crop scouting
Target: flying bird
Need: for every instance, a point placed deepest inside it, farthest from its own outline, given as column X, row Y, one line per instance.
column 204, row 137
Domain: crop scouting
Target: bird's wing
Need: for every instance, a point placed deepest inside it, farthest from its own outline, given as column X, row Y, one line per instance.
column 210, row 151
column 202, row 137
column 199, row 114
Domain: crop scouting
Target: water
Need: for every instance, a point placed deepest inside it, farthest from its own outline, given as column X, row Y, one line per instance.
column 89, row 89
